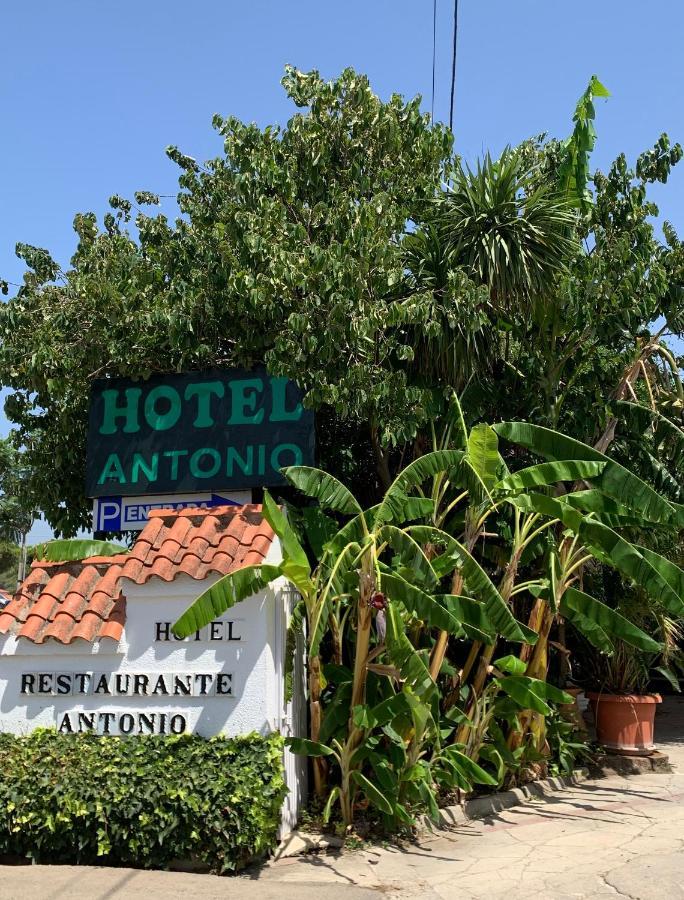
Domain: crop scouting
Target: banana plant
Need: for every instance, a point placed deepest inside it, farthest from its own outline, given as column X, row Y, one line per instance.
column 463, row 491
column 375, row 566
column 313, row 587
column 389, row 593
column 470, row 492
column 541, row 504
column 586, row 527
column 509, row 694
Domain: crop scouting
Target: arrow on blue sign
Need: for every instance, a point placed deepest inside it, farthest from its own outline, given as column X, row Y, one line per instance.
column 218, row 500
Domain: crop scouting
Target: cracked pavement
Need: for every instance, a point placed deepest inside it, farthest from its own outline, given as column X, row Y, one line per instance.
column 612, row 837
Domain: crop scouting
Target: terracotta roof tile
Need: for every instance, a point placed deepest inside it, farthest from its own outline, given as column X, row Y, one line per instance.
column 6, row 622
column 62, row 601
column 32, row 629
column 84, row 600
column 18, row 608
column 45, row 606
column 198, row 542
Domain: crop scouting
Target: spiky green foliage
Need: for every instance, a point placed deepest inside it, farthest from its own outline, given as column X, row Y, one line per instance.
column 508, row 234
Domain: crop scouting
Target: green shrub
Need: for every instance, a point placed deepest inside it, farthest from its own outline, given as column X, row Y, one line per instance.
column 141, row 801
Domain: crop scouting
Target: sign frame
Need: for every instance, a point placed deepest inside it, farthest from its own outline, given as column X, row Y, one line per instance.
column 204, row 431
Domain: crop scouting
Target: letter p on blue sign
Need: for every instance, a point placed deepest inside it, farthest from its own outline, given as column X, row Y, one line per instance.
column 107, row 514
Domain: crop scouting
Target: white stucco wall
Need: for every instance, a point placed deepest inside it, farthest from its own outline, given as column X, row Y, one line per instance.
column 255, row 663
column 251, row 662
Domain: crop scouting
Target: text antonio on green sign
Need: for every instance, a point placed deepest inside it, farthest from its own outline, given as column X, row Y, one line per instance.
column 195, row 431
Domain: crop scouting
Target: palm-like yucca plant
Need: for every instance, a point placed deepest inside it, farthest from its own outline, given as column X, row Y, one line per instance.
column 507, row 234
column 458, row 341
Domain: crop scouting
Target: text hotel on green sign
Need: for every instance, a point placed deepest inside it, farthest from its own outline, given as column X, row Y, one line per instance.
column 196, row 431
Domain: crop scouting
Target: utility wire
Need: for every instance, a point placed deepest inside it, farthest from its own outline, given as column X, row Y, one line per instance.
column 434, row 55
column 453, row 68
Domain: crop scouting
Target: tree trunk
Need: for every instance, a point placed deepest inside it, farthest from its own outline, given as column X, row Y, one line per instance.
column 381, row 463
column 320, row 766
column 439, row 650
column 364, row 622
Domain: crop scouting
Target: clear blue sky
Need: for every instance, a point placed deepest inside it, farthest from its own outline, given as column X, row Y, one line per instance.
column 92, row 92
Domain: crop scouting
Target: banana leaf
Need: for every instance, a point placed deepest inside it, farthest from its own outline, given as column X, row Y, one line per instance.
column 393, row 506
column 325, row 488
column 550, row 473
column 471, row 614
column 305, row 747
column 222, row 595
column 352, row 532
column 478, row 469
column 373, row 795
column 294, row 629
column 387, row 710
column 333, row 587
column 660, row 578
column 444, row 611
column 616, row 481
column 591, row 631
column 295, row 564
column 76, row 549
column 409, row 552
column 422, row 605
column 471, row 771
column 605, row 509
column 650, row 571
column 612, row 623
column 511, row 665
column 478, row 583
column 409, row 662
column 674, row 577
column 531, row 693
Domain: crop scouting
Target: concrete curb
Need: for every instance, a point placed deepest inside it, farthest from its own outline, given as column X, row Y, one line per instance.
column 298, row 843
column 488, row 805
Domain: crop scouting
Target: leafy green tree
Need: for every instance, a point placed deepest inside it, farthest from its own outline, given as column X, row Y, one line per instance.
column 287, row 251
column 16, row 511
column 16, row 516
column 329, row 250
column 10, row 558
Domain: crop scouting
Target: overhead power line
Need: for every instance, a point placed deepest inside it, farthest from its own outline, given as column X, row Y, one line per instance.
column 434, row 55
column 453, row 67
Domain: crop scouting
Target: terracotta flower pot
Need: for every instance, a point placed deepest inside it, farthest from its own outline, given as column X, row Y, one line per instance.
column 624, row 722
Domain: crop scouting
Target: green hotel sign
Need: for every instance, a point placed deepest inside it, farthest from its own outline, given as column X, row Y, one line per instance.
column 199, row 431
